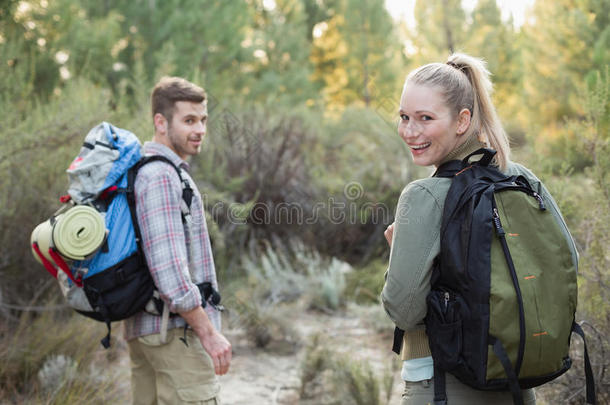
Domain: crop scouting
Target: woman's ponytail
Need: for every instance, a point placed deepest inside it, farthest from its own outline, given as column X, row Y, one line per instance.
column 484, row 120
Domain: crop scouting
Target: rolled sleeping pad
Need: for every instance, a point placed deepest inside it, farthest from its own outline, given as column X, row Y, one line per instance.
column 79, row 232
column 42, row 235
column 76, row 234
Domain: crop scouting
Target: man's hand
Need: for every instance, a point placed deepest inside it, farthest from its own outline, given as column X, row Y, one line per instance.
column 219, row 349
column 389, row 232
column 213, row 342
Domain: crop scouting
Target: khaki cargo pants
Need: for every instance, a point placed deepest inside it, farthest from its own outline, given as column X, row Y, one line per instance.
column 171, row 373
column 422, row 393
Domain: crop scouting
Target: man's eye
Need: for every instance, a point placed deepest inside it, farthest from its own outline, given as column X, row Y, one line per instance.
column 189, row 121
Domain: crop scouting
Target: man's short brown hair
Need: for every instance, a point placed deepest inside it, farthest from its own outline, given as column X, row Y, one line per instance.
column 169, row 90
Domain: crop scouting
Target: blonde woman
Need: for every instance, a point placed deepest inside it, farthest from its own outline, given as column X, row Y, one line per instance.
column 446, row 113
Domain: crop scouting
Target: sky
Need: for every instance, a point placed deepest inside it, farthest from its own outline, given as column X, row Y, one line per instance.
column 403, row 9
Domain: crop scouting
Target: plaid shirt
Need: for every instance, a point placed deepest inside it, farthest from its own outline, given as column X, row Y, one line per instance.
column 171, row 248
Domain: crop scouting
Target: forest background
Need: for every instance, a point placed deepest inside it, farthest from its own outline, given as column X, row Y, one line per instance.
column 301, row 167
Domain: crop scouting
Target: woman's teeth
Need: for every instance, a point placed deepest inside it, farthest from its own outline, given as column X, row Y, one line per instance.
column 422, row 146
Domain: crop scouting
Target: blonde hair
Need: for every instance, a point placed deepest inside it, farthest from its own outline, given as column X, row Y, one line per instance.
column 464, row 82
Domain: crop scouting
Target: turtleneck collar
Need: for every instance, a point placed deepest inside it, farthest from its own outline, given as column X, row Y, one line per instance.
column 470, row 145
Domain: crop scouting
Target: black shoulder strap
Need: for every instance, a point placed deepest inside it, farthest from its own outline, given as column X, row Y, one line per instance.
column 187, row 191
column 453, row 167
column 449, row 169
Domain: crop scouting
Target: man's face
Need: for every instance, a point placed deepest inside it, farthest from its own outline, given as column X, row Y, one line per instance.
column 187, row 128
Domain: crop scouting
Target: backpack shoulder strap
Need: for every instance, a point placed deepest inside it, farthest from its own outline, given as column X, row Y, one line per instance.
column 187, row 191
column 449, row 169
column 453, row 167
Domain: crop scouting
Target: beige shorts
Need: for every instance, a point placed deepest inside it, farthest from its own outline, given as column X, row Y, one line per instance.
column 172, row 373
column 422, row 393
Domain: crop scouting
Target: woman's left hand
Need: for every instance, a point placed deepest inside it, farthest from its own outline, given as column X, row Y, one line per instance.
column 389, row 232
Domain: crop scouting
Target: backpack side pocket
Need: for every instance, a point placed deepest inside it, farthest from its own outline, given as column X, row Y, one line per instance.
column 444, row 328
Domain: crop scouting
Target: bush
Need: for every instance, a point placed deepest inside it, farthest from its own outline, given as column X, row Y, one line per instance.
column 290, row 271
column 36, row 150
column 585, row 200
column 331, row 378
column 55, row 357
column 365, row 283
column 266, row 326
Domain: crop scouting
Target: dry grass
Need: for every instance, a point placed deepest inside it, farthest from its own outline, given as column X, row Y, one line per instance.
column 56, row 358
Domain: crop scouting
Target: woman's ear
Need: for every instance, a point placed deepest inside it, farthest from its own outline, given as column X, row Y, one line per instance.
column 463, row 121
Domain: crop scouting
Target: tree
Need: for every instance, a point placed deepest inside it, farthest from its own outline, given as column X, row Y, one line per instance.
column 279, row 43
column 357, row 54
column 566, row 42
column 497, row 43
column 441, row 29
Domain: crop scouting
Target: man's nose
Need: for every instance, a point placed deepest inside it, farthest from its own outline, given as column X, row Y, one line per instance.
column 200, row 128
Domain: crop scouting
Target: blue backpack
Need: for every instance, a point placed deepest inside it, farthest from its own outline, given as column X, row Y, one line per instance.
column 92, row 244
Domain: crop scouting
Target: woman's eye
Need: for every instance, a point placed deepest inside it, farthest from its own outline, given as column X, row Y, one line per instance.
column 426, row 118
column 404, row 117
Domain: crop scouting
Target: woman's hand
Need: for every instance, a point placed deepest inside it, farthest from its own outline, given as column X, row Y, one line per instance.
column 389, row 232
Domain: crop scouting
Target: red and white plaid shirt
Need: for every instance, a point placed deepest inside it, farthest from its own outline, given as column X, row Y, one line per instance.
column 178, row 255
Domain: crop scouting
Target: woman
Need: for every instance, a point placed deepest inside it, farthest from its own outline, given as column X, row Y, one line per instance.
column 446, row 113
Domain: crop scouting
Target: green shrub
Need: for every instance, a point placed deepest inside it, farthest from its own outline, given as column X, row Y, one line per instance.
column 56, row 357
column 290, row 271
column 584, row 199
column 328, row 377
column 36, row 150
column 365, row 283
column 266, row 325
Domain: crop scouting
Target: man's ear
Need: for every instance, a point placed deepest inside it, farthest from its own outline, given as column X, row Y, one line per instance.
column 463, row 122
column 160, row 123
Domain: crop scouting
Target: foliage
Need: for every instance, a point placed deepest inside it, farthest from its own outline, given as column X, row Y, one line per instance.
column 302, row 100
column 42, row 362
column 567, row 43
column 292, row 271
column 440, row 28
column 588, row 219
column 267, row 326
column 331, row 378
column 356, row 55
column 39, row 141
column 365, row 283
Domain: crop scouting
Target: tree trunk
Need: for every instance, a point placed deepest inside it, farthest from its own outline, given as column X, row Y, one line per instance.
column 447, row 26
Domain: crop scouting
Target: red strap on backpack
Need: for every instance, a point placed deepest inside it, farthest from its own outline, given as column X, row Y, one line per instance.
column 62, row 265
column 47, row 264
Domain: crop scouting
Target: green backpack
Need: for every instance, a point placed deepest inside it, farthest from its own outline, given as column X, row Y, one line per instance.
column 504, row 290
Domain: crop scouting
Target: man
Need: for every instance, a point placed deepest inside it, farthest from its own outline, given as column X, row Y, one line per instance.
column 166, row 368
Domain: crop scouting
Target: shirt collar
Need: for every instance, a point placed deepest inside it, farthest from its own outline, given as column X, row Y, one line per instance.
column 155, row 148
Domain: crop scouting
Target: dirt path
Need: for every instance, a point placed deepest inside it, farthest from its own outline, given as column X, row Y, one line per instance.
column 262, row 377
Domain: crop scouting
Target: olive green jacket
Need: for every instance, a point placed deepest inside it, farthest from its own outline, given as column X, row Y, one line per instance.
column 416, row 243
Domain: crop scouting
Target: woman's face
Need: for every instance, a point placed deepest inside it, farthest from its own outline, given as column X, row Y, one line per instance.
column 427, row 125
